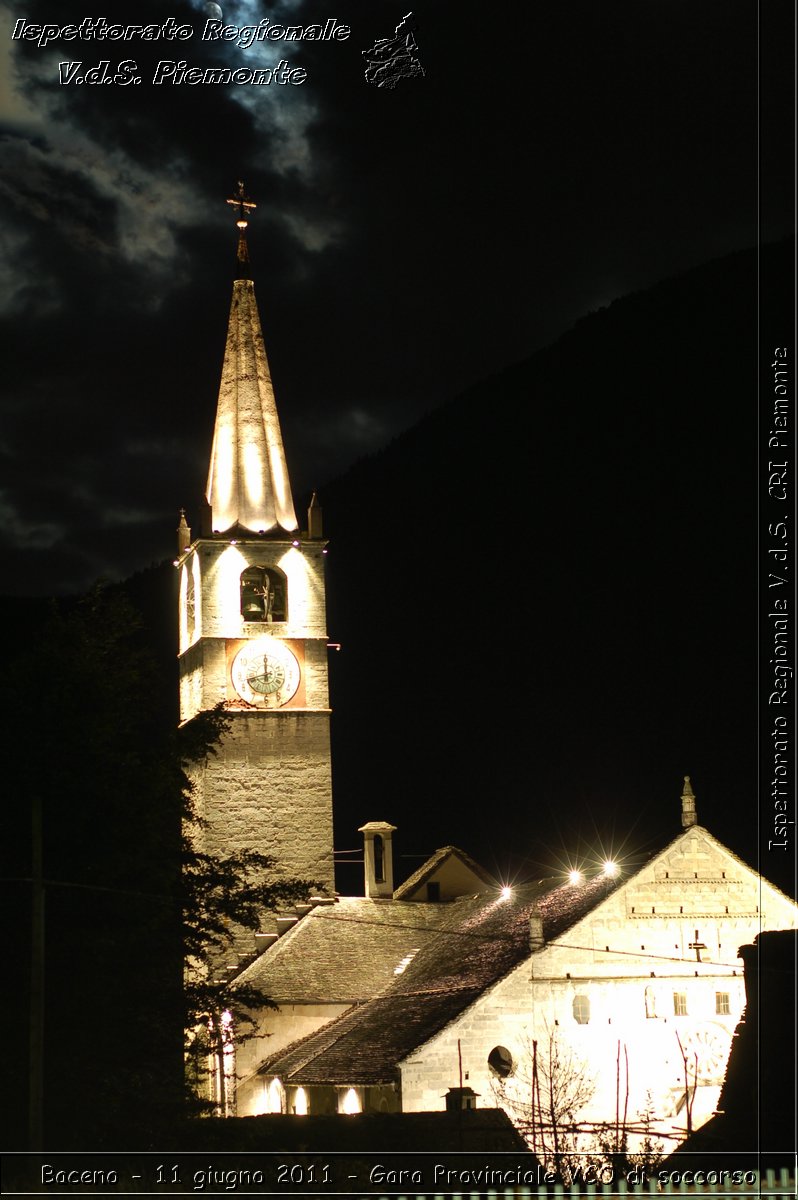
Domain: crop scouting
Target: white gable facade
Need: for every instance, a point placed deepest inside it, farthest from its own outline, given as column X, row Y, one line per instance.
column 653, row 965
column 635, row 984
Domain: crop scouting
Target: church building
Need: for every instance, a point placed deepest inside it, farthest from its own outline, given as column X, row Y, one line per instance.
column 631, row 981
column 628, row 980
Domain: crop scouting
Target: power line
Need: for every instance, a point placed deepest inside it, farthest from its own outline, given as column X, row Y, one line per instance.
column 484, row 937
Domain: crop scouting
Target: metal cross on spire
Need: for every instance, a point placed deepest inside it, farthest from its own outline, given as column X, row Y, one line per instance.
column 242, row 202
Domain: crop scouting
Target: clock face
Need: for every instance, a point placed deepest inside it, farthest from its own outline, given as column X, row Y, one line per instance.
column 265, row 673
column 707, row 1048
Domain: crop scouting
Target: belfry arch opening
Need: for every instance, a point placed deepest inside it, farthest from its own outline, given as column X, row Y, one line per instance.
column 264, row 594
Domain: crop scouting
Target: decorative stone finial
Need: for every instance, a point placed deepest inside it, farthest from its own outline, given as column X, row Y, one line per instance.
column 689, row 814
column 183, row 533
column 315, row 525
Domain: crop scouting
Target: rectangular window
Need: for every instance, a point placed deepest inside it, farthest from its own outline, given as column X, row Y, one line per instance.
column 680, row 1004
column 722, row 1007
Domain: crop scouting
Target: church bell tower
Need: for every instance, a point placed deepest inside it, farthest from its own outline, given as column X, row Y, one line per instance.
column 252, row 622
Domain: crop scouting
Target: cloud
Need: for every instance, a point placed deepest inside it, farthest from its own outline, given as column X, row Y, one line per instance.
column 99, row 203
column 352, row 432
column 138, row 155
column 22, row 533
column 19, row 290
column 311, row 232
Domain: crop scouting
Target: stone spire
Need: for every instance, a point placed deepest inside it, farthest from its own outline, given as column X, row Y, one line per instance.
column 248, row 485
column 689, row 814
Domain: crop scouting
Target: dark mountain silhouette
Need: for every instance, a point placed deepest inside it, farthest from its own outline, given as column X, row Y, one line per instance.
column 545, row 591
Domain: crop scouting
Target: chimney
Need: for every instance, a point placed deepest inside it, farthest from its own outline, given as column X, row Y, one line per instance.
column 536, row 939
column 689, row 814
column 459, row 1099
column 378, row 858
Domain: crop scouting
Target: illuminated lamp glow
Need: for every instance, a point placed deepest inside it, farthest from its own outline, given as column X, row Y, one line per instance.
column 195, row 569
column 221, row 482
column 350, row 1103
column 301, row 1102
column 183, row 607
column 275, row 1097
column 610, row 868
column 227, row 573
column 506, row 893
column 574, row 876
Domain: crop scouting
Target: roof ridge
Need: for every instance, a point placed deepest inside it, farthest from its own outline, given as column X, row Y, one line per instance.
column 434, row 861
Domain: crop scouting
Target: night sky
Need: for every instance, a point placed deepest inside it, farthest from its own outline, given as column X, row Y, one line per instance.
column 408, row 243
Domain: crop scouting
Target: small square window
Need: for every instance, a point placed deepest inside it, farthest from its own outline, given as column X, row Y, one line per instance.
column 680, row 1004
column 722, row 1006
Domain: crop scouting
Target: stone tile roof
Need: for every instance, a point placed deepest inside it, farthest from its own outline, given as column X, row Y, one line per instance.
column 428, row 869
column 472, row 1129
column 475, row 941
column 342, row 953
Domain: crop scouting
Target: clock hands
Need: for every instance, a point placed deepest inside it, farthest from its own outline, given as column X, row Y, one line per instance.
column 271, row 679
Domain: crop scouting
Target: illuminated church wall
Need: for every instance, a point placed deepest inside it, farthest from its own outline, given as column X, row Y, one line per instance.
column 647, row 987
column 269, row 785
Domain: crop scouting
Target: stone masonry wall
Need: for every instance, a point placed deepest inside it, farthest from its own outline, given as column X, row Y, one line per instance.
column 269, row 789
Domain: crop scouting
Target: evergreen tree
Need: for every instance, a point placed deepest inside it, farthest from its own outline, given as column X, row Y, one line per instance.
column 96, row 779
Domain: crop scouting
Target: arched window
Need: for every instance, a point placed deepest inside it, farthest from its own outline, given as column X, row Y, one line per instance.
column 264, row 594
column 581, row 1009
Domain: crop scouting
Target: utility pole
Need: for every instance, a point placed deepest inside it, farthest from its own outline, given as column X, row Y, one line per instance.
column 36, row 1065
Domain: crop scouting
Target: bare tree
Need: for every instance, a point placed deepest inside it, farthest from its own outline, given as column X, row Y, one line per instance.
column 544, row 1096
